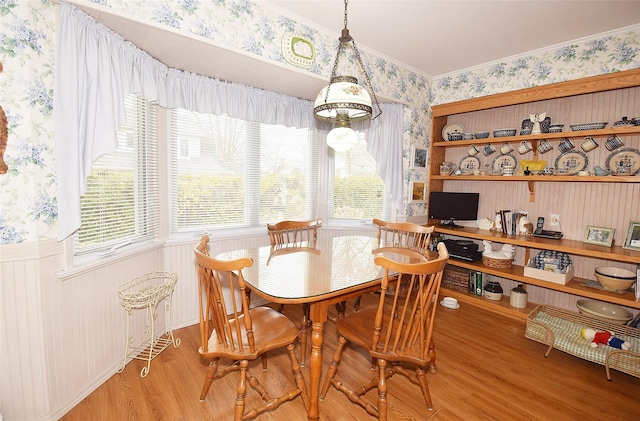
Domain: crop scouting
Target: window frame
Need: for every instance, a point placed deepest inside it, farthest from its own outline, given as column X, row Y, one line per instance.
column 147, row 210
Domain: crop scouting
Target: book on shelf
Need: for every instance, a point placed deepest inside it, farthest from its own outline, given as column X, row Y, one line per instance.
column 510, row 220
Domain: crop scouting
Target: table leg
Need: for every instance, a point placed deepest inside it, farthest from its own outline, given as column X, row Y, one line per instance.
column 318, row 314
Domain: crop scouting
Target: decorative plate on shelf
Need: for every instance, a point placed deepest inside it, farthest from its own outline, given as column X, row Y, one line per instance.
column 502, row 161
column 451, row 128
column 572, row 161
column 468, row 164
column 627, row 159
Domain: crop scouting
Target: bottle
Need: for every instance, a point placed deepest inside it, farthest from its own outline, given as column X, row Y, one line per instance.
column 518, row 297
column 527, row 172
column 493, row 290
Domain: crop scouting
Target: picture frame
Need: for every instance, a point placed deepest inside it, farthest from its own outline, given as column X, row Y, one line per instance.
column 418, row 158
column 600, row 236
column 418, row 191
column 632, row 241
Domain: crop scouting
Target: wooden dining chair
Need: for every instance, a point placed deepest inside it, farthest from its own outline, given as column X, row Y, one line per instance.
column 399, row 331
column 296, row 235
column 403, row 235
column 232, row 331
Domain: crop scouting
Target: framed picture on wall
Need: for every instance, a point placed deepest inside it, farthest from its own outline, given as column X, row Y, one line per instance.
column 418, row 191
column 600, row 236
column 632, row 242
column 418, row 158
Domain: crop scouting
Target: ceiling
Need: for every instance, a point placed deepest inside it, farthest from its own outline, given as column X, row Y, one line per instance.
column 432, row 37
column 441, row 36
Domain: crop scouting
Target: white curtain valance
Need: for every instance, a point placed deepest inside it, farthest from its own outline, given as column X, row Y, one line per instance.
column 96, row 68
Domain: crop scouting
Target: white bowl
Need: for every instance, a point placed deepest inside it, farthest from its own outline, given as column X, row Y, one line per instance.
column 615, row 278
column 604, row 311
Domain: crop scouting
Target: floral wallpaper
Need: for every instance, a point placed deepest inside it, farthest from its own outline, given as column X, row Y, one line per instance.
column 606, row 54
column 28, row 207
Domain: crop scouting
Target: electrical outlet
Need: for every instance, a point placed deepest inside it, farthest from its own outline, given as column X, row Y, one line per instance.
column 554, row 220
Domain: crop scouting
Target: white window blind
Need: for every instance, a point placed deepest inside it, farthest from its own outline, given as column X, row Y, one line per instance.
column 227, row 172
column 121, row 201
column 358, row 190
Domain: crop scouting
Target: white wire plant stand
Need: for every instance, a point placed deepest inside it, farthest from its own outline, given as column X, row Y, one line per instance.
column 146, row 292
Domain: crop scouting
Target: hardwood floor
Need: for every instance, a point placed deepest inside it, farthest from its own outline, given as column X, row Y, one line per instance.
column 487, row 370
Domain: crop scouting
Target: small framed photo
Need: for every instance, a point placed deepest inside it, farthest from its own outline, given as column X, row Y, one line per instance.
column 632, row 241
column 418, row 191
column 418, row 158
column 600, row 236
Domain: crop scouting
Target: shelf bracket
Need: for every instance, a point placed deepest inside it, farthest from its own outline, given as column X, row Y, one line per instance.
column 532, row 191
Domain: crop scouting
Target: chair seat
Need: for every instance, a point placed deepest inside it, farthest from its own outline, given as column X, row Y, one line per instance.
column 358, row 328
column 271, row 330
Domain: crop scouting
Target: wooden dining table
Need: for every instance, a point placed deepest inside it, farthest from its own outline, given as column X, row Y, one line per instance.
column 334, row 269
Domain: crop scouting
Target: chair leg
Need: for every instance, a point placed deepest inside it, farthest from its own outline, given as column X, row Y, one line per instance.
column 264, row 361
column 211, row 371
column 382, row 390
column 432, row 358
column 422, row 381
column 297, row 374
column 356, row 305
column 238, row 409
column 303, row 333
column 333, row 367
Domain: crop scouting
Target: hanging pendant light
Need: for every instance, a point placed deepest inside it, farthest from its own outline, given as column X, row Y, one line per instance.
column 343, row 101
column 342, row 137
column 343, row 95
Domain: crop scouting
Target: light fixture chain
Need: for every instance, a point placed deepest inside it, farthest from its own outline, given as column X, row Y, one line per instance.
column 366, row 76
column 334, row 70
column 346, row 2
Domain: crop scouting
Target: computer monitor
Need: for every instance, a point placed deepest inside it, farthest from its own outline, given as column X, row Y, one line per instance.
column 449, row 207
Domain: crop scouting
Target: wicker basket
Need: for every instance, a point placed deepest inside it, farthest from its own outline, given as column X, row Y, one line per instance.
column 561, row 329
column 147, row 290
column 496, row 263
column 455, row 278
